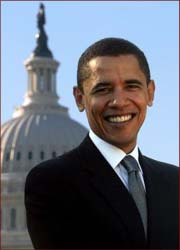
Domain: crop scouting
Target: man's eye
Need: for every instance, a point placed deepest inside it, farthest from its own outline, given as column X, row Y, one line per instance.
column 133, row 86
column 101, row 90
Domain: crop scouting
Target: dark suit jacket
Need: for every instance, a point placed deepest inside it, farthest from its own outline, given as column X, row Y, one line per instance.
column 78, row 201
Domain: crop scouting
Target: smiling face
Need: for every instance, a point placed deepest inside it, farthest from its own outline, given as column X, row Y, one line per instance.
column 115, row 98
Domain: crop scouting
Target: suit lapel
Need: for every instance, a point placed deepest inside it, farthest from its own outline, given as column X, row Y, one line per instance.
column 105, row 181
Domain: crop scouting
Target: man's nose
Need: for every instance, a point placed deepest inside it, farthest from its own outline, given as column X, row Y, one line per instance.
column 118, row 98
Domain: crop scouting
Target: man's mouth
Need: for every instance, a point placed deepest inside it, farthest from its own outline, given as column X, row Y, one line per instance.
column 119, row 118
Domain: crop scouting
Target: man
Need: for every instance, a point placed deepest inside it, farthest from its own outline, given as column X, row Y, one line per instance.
column 89, row 198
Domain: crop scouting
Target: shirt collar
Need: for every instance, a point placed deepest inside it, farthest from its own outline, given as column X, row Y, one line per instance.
column 111, row 153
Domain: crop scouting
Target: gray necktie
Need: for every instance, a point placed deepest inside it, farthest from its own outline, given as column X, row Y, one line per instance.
column 136, row 187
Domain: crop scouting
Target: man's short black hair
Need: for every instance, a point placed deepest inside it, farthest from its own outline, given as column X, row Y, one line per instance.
column 109, row 47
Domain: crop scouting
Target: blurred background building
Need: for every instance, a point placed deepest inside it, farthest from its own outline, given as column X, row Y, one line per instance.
column 40, row 129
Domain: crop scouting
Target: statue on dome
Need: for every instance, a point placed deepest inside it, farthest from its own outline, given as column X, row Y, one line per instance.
column 41, row 49
column 41, row 17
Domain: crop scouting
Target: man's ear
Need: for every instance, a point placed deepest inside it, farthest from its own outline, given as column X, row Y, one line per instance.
column 78, row 95
column 151, row 91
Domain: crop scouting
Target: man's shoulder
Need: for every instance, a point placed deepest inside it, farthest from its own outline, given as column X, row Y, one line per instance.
column 55, row 169
column 161, row 166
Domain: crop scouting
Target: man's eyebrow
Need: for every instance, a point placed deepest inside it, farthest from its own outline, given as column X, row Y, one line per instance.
column 133, row 81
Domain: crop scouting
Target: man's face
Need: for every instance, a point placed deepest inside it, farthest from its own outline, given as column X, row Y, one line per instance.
column 115, row 99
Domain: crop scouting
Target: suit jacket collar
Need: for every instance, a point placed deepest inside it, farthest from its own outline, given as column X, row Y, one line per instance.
column 111, row 153
column 108, row 184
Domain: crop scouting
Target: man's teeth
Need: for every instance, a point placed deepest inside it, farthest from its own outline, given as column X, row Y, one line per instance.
column 122, row 118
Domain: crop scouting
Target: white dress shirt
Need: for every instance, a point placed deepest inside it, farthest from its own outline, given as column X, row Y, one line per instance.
column 114, row 156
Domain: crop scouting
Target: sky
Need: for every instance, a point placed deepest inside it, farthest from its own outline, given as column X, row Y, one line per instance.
column 71, row 27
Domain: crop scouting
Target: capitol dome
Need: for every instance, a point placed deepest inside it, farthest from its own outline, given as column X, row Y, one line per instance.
column 40, row 129
column 31, row 138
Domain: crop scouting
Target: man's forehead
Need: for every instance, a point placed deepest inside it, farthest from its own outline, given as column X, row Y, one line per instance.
column 123, row 66
column 94, row 64
column 99, row 63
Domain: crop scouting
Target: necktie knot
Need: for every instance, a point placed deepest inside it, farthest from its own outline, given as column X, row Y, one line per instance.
column 130, row 164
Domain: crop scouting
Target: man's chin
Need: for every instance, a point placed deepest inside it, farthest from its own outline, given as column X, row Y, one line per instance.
column 125, row 144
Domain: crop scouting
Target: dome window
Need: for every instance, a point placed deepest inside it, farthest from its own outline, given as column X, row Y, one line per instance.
column 42, row 155
column 7, row 156
column 18, row 156
column 41, row 80
column 53, row 81
column 13, row 218
column 53, row 154
column 48, row 80
column 30, row 155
